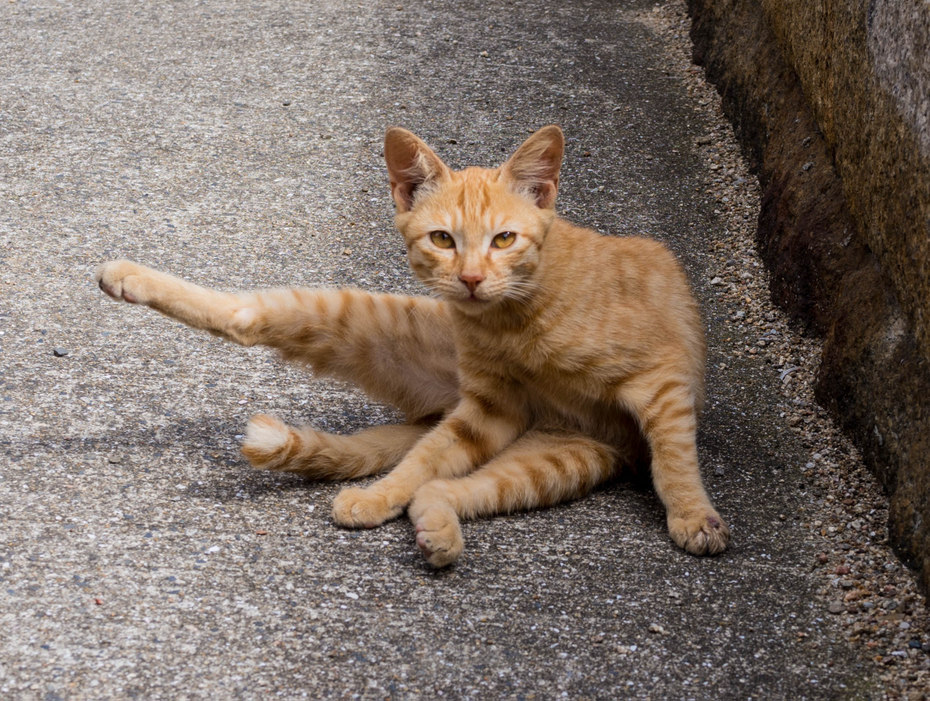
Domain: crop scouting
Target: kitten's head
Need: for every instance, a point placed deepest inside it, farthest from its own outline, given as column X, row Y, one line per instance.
column 475, row 235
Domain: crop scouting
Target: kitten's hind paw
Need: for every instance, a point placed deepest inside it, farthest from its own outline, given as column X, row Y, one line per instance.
column 121, row 279
column 268, row 442
column 703, row 533
column 439, row 536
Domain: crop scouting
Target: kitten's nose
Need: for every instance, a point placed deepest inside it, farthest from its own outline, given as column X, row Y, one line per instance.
column 471, row 280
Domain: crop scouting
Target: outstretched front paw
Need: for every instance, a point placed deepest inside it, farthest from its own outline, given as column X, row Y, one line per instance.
column 700, row 533
column 363, row 508
column 122, row 279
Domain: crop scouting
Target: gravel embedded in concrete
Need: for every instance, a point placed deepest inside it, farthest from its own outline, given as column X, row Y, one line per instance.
column 238, row 145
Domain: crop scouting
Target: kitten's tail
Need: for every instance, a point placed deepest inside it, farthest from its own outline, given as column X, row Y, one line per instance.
column 271, row 444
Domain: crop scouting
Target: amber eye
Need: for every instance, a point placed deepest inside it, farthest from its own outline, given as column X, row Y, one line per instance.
column 441, row 239
column 504, row 239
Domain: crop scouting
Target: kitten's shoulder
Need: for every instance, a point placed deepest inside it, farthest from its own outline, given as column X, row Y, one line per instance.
column 580, row 240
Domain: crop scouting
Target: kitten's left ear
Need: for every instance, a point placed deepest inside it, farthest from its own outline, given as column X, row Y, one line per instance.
column 534, row 168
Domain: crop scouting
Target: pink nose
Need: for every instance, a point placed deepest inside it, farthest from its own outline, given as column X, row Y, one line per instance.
column 471, row 280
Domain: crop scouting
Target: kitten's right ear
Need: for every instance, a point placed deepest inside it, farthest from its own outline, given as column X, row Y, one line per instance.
column 411, row 165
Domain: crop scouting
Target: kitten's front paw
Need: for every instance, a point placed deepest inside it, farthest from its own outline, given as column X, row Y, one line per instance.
column 439, row 536
column 363, row 508
column 268, row 443
column 701, row 533
column 122, row 279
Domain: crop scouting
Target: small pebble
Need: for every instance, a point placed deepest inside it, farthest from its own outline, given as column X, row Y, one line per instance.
column 60, row 352
column 836, row 607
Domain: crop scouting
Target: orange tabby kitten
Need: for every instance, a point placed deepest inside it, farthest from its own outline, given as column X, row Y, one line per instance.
column 553, row 357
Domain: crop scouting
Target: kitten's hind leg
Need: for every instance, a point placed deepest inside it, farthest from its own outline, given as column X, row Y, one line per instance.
column 191, row 304
column 272, row 445
column 539, row 469
column 398, row 349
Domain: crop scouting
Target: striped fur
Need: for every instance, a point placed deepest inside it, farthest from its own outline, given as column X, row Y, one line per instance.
column 553, row 357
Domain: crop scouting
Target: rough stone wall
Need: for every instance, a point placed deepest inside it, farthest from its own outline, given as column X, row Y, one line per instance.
column 831, row 98
column 865, row 67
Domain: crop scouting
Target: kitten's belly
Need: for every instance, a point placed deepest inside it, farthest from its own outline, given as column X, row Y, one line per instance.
column 557, row 406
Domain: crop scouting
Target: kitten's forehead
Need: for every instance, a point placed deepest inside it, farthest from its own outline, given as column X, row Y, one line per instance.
column 472, row 199
column 475, row 182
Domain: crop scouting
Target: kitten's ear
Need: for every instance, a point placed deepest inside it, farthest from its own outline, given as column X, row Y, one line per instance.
column 534, row 168
column 411, row 164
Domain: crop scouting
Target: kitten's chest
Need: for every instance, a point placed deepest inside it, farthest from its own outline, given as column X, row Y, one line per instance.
column 551, row 370
column 564, row 380
column 564, row 390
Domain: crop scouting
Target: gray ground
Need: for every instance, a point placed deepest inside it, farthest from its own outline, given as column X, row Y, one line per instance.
column 238, row 144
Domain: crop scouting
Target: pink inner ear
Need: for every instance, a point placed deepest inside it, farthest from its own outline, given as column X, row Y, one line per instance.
column 402, row 192
column 545, row 194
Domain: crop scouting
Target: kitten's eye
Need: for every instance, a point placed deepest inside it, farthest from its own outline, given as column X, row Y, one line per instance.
column 504, row 239
column 441, row 239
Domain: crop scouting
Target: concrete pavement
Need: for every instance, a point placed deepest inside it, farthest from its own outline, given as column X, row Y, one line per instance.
column 239, row 145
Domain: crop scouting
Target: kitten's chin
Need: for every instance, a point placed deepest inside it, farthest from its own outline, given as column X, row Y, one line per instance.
column 472, row 306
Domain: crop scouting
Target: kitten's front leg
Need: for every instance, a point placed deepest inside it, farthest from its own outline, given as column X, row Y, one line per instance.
column 465, row 439
column 666, row 412
column 538, row 469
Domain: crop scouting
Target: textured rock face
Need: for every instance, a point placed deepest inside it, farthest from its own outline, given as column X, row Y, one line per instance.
column 832, row 100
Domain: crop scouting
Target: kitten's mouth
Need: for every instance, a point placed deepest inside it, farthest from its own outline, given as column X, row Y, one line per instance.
column 472, row 302
column 475, row 300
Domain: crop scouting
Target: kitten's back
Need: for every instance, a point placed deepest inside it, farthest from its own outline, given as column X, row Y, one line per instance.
column 625, row 298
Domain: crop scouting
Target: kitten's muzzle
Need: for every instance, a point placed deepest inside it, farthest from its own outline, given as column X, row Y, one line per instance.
column 471, row 281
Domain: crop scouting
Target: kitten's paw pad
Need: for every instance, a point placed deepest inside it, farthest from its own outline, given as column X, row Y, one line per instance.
column 121, row 279
column 268, row 442
column 439, row 537
column 703, row 533
column 363, row 508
